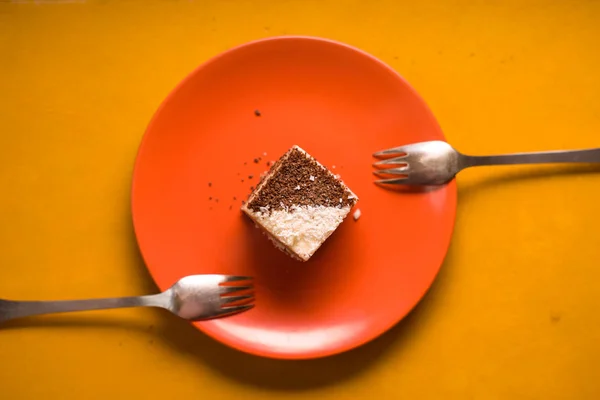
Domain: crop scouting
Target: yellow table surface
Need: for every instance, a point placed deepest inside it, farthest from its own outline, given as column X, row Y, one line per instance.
column 515, row 313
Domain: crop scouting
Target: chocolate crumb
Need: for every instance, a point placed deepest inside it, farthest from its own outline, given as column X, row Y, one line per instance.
column 257, row 113
column 268, row 163
column 234, row 198
column 217, row 200
column 210, row 198
column 245, row 163
column 242, row 181
column 256, row 161
column 209, row 184
column 252, row 188
column 230, row 207
column 250, row 176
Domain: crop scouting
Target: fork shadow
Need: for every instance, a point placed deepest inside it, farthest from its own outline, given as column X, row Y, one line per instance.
column 523, row 173
column 528, row 173
column 409, row 189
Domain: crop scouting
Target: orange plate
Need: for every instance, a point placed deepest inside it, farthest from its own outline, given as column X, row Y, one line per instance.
column 195, row 165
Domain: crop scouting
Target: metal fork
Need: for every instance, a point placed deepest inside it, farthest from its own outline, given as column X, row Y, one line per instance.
column 195, row 298
column 437, row 163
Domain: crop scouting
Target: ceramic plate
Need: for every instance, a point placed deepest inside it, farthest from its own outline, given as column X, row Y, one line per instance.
column 217, row 131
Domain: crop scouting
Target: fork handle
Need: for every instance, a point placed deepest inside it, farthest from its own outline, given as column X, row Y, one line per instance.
column 19, row 309
column 546, row 157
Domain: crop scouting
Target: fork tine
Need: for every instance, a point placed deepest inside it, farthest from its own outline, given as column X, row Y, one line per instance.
column 234, row 299
column 391, row 161
column 227, row 311
column 234, row 289
column 389, row 152
column 393, row 181
column 391, row 171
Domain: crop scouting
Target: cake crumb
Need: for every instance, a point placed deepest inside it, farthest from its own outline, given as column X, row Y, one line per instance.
column 356, row 215
column 265, row 154
column 333, row 166
column 312, row 178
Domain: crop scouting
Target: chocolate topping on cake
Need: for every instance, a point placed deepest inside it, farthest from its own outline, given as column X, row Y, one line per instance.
column 317, row 187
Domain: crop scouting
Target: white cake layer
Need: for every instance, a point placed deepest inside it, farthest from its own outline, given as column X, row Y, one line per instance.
column 302, row 228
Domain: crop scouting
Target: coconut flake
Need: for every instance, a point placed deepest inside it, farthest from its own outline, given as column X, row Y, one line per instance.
column 264, row 210
column 356, row 214
column 312, row 178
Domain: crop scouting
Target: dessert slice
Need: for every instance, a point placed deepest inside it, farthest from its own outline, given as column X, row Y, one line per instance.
column 299, row 204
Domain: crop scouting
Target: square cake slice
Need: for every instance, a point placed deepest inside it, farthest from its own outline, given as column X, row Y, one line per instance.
column 299, row 203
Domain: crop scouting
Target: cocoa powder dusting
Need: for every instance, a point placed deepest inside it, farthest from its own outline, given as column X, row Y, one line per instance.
column 292, row 185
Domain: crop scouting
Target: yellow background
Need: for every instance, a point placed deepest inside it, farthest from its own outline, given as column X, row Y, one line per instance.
column 515, row 312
